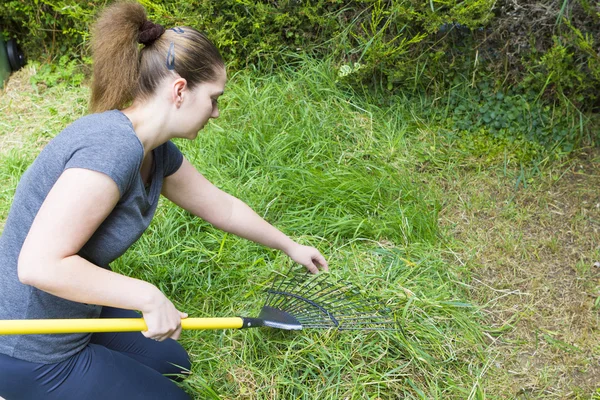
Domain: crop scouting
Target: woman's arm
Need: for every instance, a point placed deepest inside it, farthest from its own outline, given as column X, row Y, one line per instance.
column 74, row 208
column 193, row 192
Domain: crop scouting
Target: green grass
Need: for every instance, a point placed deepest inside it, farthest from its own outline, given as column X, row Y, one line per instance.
column 398, row 207
column 330, row 173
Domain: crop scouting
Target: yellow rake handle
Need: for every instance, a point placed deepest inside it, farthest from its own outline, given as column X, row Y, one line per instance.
column 43, row 326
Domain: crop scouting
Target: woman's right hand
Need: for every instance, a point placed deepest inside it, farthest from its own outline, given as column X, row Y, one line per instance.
column 162, row 319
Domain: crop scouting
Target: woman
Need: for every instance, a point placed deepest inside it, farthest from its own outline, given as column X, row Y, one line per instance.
column 89, row 196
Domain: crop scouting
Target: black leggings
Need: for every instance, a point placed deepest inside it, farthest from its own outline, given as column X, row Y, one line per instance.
column 113, row 366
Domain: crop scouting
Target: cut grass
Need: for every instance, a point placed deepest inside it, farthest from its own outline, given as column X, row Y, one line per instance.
column 398, row 209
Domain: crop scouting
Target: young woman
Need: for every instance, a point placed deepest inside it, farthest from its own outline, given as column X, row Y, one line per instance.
column 90, row 195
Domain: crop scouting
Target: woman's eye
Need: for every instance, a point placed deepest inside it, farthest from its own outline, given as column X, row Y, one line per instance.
column 215, row 102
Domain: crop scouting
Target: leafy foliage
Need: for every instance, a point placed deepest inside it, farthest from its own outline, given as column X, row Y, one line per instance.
column 545, row 47
column 64, row 72
column 514, row 115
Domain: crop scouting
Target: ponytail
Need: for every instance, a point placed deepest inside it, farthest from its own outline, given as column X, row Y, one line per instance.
column 115, row 55
column 122, row 72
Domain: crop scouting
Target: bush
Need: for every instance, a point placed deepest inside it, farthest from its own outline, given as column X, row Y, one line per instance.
column 548, row 47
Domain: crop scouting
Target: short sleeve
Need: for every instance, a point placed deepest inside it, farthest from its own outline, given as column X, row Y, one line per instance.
column 172, row 158
column 117, row 156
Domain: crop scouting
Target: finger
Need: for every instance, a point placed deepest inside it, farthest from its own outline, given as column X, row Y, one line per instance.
column 312, row 268
column 152, row 336
column 323, row 262
column 183, row 315
column 177, row 334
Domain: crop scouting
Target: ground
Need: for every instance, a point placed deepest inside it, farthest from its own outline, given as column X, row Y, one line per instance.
column 532, row 241
column 535, row 252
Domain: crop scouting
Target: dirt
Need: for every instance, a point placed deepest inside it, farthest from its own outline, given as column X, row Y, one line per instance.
column 535, row 249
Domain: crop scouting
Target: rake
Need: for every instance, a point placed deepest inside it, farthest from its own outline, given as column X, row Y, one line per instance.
column 293, row 302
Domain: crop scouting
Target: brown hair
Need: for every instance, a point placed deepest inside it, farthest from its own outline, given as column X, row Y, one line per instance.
column 123, row 72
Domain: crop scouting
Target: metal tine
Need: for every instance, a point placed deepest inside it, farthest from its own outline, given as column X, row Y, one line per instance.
column 309, row 285
column 313, row 318
column 337, row 302
column 327, row 292
column 366, row 329
column 359, row 321
column 345, row 314
column 286, row 301
column 316, row 303
column 323, row 292
column 347, row 318
column 347, row 293
column 314, row 315
column 286, row 283
column 389, row 325
column 312, row 323
column 336, row 316
column 373, row 316
column 327, row 298
column 353, row 307
column 275, row 299
column 305, row 287
column 354, row 298
column 282, row 300
column 331, row 309
column 269, row 295
column 338, row 311
column 350, row 325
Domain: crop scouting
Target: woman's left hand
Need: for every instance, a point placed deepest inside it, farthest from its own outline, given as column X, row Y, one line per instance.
column 309, row 257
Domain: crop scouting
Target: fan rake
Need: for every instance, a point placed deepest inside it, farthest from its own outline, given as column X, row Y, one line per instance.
column 293, row 302
column 303, row 302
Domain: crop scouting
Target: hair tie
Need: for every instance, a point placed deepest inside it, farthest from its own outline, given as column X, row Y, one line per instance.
column 149, row 32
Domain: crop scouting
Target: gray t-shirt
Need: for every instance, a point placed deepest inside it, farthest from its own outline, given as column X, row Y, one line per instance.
column 103, row 142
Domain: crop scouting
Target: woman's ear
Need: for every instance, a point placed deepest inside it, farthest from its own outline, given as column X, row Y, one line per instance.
column 179, row 88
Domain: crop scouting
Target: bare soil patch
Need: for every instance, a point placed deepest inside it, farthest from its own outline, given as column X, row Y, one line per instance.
column 535, row 249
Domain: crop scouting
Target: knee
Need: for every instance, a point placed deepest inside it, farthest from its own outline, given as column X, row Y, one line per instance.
column 178, row 360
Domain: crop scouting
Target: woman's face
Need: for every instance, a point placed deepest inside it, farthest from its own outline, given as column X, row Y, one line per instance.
column 201, row 105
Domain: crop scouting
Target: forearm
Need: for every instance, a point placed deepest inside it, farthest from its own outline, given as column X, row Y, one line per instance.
column 246, row 223
column 191, row 191
column 74, row 278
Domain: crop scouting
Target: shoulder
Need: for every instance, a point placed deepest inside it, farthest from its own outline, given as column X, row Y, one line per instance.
column 106, row 136
column 105, row 143
column 110, row 127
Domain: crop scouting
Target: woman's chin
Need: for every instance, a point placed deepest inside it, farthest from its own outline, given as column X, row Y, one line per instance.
column 190, row 135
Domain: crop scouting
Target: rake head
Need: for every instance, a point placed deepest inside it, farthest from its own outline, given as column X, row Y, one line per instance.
column 302, row 301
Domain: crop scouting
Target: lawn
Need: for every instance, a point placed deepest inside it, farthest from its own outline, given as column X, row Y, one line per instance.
column 486, row 262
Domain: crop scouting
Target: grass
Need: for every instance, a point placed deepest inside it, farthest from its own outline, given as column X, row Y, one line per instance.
column 466, row 250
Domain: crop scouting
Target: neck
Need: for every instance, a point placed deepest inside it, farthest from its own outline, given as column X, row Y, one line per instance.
column 148, row 123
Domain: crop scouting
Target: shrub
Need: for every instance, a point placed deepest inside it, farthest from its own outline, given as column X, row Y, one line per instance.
column 393, row 46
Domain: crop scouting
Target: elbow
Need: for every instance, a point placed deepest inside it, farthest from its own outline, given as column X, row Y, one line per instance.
column 28, row 271
column 24, row 272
